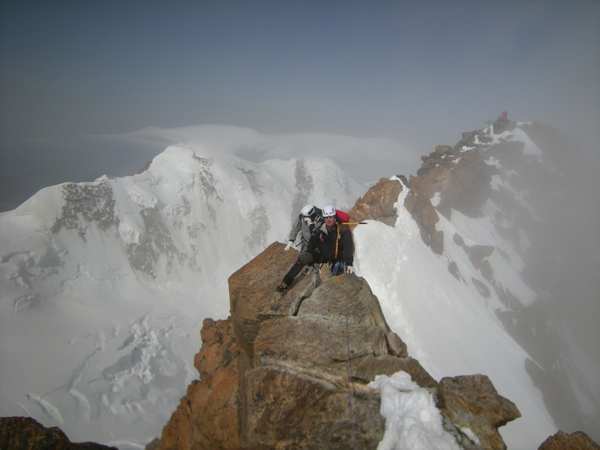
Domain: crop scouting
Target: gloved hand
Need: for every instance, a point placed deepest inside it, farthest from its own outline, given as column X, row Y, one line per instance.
column 349, row 270
column 289, row 245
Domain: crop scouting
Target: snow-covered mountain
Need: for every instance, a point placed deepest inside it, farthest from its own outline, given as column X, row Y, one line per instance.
column 104, row 284
column 456, row 278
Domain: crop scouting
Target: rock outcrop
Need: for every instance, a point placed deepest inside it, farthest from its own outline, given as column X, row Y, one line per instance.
column 472, row 402
column 378, row 203
column 24, row 433
column 291, row 371
column 569, row 441
column 458, row 178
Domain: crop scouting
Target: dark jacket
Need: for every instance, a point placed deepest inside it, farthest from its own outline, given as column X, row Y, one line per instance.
column 330, row 246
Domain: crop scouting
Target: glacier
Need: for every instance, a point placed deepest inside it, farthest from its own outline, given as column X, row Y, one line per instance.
column 105, row 284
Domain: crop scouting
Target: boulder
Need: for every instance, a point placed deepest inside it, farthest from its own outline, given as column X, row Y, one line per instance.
column 471, row 401
column 396, row 346
column 25, row 433
column 569, row 441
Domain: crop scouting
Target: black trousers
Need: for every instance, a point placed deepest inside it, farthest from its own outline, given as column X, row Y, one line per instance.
column 304, row 259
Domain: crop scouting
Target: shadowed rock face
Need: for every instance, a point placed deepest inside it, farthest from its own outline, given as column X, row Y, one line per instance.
column 24, row 433
column 291, row 371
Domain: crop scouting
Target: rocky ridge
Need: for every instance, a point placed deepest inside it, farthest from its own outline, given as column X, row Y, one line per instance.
column 291, row 371
column 520, row 177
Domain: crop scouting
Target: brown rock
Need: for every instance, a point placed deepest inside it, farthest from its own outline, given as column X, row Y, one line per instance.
column 345, row 298
column 218, row 346
column 252, row 293
column 437, row 242
column 569, row 441
column 468, row 184
column 297, row 384
column 24, row 433
column 366, row 368
column 472, row 401
column 378, row 202
column 418, row 203
column 207, row 417
column 291, row 371
column 316, row 343
column 461, row 179
column 293, row 409
column 396, row 346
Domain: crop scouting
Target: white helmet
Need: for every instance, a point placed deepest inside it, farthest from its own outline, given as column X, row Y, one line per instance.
column 307, row 210
column 328, row 211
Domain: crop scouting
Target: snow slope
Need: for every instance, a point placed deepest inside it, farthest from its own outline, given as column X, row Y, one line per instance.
column 451, row 323
column 445, row 323
column 103, row 285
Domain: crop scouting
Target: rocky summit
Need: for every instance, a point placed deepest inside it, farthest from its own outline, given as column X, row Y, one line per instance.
column 290, row 371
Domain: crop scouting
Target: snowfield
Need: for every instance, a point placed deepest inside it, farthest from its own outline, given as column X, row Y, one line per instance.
column 446, row 323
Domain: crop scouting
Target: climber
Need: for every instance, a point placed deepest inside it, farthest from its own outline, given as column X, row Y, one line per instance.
column 309, row 220
column 336, row 243
column 330, row 243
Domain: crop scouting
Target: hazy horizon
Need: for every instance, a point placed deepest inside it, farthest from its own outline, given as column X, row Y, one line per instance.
column 417, row 73
column 78, row 79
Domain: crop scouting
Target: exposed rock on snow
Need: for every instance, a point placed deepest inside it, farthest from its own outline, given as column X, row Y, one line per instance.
column 85, row 203
column 569, row 441
column 379, row 202
column 472, row 402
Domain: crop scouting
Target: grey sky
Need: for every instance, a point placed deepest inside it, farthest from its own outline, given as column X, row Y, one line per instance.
column 419, row 72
